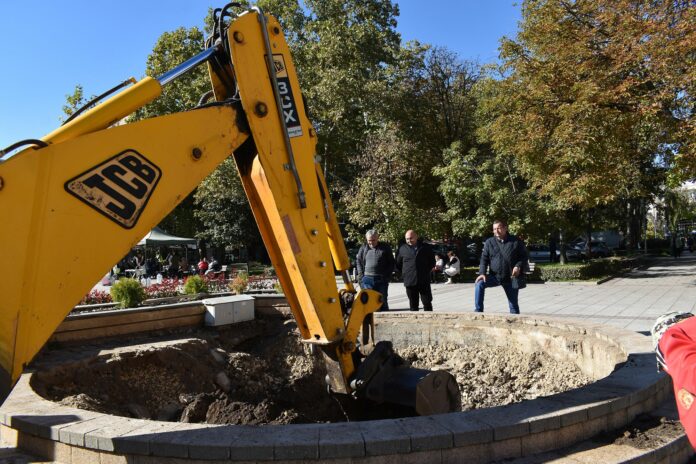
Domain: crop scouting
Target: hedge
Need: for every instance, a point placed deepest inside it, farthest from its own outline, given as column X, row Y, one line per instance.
column 594, row 269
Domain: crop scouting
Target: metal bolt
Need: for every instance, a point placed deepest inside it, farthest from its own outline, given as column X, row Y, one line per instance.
column 322, row 263
column 261, row 109
column 276, row 30
column 314, row 231
column 332, row 300
column 238, row 37
column 287, row 167
column 196, row 153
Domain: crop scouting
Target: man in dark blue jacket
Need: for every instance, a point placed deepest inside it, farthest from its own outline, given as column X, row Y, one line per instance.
column 375, row 265
column 505, row 257
column 414, row 261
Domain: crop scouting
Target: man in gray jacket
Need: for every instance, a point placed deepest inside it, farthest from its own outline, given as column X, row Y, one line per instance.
column 375, row 265
column 505, row 257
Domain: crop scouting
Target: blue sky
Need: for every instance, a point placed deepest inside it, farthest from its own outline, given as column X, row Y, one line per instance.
column 48, row 47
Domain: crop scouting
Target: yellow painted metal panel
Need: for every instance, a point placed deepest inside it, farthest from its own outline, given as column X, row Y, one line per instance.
column 298, row 235
column 69, row 244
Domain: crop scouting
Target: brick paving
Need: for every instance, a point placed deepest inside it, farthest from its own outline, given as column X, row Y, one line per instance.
column 632, row 301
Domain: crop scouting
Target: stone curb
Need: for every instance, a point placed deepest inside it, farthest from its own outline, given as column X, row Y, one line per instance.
column 504, row 432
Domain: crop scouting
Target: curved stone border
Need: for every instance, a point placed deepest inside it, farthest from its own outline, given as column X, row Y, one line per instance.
column 73, row 435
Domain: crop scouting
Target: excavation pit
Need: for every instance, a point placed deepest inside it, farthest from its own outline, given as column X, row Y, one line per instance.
column 619, row 364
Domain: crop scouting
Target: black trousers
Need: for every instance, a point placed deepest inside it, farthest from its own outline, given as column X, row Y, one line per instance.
column 426, row 296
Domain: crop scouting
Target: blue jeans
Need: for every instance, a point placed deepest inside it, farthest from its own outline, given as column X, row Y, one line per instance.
column 380, row 284
column 491, row 281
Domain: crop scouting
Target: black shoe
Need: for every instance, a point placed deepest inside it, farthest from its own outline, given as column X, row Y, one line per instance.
column 428, row 309
column 414, row 309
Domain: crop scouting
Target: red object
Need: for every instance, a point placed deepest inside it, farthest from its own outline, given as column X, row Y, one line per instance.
column 202, row 265
column 678, row 348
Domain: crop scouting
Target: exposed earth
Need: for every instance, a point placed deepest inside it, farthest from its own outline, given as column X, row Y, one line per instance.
column 259, row 372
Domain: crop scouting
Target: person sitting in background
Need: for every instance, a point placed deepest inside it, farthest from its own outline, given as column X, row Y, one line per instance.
column 214, row 266
column 202, row 265
column 453, row 266
column 437, row 269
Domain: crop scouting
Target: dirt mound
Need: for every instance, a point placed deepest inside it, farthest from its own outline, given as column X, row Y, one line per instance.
column 259, row 372
column 494, row 376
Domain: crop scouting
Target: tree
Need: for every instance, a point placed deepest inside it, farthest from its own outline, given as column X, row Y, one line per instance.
column 385, row 197
column 597, row 97
column 73, row 102
column 480, row 186
column 223, row 209
column 340, row 49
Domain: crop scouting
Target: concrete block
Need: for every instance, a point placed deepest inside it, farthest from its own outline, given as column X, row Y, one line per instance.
column 74, row 433
column 340, row 441
column 535, row 443
column 172, row 442
column 617, row 419
column 296, row 441
column 422, row 457
column 84, row 456
column 252, row 443
column 39, row 447
column 506, row 449
column 228, row 310
column 384, row 437
column 472, row 454
column 108, row 458
column 137, row 441
column 506, row 422
column 569, row 435
column 208, row 442
column 102, row 438
column 8, row 436
column 595, row 426
column 465, row 430
column 426, row 434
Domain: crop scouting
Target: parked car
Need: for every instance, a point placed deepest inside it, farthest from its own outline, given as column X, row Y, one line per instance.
column 540, row 253
column 598, row 250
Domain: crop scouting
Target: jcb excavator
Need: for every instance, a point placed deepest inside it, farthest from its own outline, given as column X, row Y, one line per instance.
column 77, row 200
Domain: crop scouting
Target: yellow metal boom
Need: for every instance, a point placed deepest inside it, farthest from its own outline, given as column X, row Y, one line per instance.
column 82, row 201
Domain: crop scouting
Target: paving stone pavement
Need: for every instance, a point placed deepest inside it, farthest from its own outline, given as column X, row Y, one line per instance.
column 632, row 301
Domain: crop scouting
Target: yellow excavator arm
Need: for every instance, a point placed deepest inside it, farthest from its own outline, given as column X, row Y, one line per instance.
column 82, row 196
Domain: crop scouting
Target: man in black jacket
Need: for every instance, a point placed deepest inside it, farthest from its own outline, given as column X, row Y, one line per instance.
column 506, row 256
column 375, row 265
column 414, row 260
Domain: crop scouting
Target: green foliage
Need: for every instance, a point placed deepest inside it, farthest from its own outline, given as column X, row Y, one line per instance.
column 73, row 102
column 240, row 283
column 592, row 270
column 172, row 49
column 278, row 288
column 128, row 292
column 223, row 209
column 480, row 186
column 592, row 106
column 194, row 285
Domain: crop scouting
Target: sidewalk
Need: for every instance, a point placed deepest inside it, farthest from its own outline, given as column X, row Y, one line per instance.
column 632, row 301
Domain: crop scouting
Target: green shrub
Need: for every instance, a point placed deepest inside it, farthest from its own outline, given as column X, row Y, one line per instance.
column 128, row 292
column 278, row 288
column 593, row 269
column 195, row 284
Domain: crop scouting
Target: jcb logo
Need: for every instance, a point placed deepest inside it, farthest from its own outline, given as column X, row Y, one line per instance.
column 119, row 188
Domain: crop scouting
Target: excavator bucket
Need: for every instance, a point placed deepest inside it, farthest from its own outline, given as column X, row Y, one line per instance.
column 384, row 377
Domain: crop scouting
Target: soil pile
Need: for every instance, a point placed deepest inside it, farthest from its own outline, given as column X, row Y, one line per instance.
column 495, row 376
column 259, row 372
